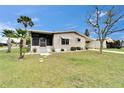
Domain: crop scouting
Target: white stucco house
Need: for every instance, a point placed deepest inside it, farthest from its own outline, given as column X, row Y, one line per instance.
column 43, row 41
column 95, row 44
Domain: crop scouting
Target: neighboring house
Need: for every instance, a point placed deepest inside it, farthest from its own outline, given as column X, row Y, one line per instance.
column 3, row 41
column 95, row 44
column 16, row 40
column 109, row 40
column 43, row 41
column 122, row 43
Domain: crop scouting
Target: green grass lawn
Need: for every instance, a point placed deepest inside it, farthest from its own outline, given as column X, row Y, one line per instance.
column 115, row 49
column 1, row 46
column 77, row 69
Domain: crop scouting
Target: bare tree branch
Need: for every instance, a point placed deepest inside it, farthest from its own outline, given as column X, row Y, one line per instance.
column 104, row 26
column 89, row 21
column 113, row 31
column 115, row 21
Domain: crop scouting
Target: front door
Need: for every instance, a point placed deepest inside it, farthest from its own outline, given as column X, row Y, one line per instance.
column 43, row 44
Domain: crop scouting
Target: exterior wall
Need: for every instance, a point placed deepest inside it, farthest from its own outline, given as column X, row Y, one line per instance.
column 41, row 49
column 122, row 44
column 96, row 44
column 49, row 48
column 72, row 41
column 35, row 47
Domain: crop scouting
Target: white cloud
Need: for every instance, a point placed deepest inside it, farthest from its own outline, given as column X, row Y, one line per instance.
column 5, row 26
column 35, row 19
column 102, row 14
column 93, row 19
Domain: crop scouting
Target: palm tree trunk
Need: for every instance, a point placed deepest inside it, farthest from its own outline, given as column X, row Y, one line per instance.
column 29, row 42
column 21, row 46
column 24, row 41
column 29, row 36
column 9, row 45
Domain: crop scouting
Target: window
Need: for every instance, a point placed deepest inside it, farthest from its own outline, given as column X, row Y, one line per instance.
column 65, row 41
column 49, row 40
column 35, row 41
column 78, row 39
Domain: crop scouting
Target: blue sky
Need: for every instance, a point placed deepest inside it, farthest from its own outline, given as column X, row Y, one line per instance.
column 54, row 18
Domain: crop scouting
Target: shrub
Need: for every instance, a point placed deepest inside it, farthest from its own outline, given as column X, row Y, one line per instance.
column 25, row 49
column 62, row 49
column 73, row 48
column 78, row 48
column 28, row 41
column 86, row 48
column 118, row 47
column 28, row 49
column 1, row 45
column 115, row 44
column 53, row 50
column 34, row 50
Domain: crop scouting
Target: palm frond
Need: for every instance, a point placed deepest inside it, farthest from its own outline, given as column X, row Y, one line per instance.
column 21, row 33
column 8, row 33
column 26, row 21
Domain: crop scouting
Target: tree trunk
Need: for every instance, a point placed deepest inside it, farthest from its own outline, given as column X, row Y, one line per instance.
column 29, row 37
column 24, row 41
column 9, row 45
column 21, row 46
column 101, row 46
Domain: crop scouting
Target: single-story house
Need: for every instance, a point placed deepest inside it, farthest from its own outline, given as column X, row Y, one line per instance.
column 95, row 44
column 43, row 41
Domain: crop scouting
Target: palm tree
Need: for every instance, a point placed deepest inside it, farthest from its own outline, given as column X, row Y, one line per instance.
column 8, row 33
column 22, row 35
column 27, row 22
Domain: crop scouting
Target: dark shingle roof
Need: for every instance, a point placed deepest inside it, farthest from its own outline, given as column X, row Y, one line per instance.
column 58, row 32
